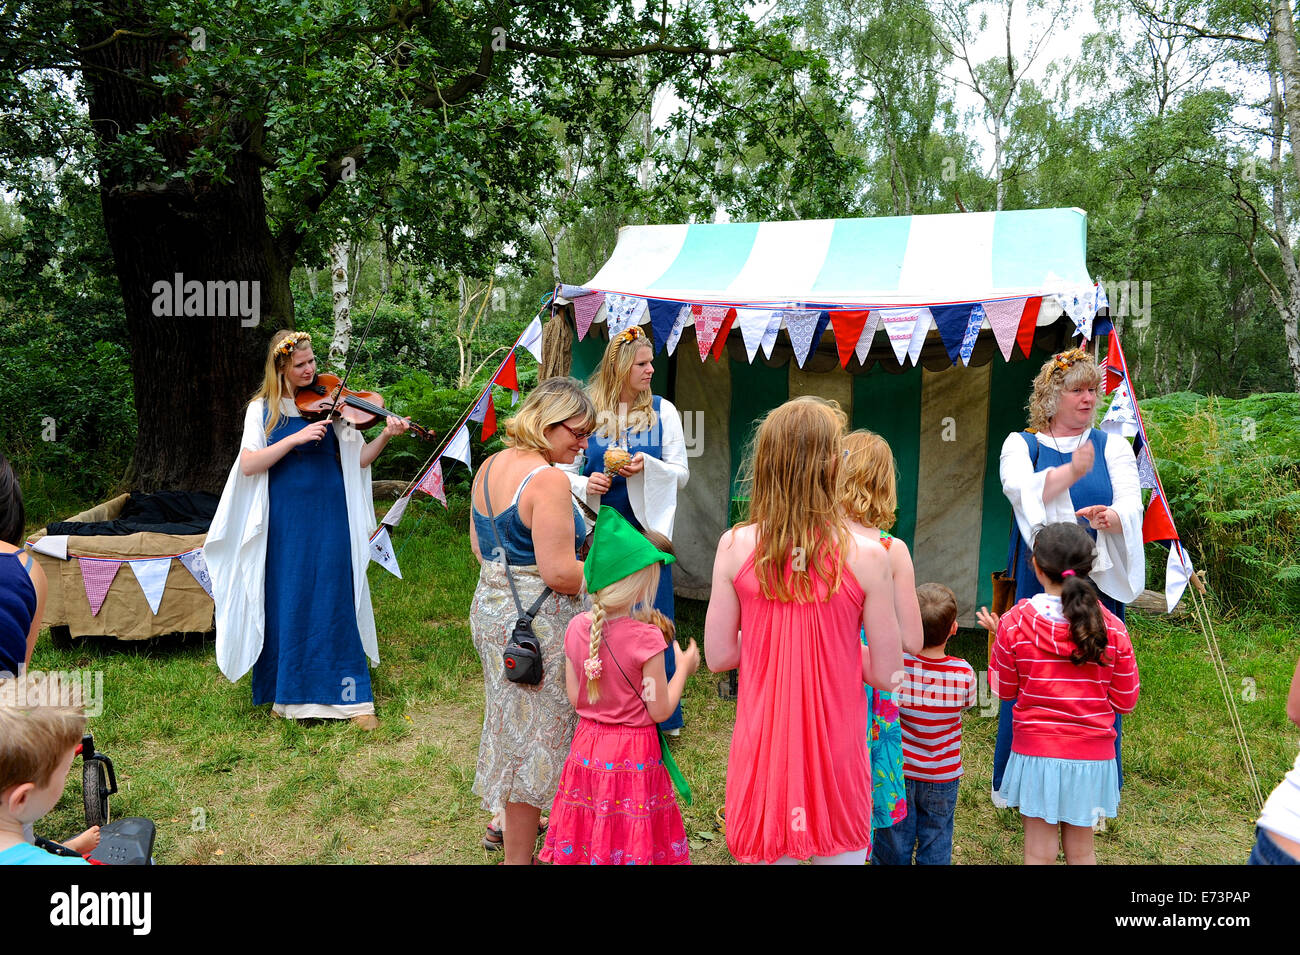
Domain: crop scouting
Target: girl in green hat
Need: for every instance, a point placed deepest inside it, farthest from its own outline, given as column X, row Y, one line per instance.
column 616, row 804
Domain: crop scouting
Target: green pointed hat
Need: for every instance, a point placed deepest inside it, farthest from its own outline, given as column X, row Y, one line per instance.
column 617, row 550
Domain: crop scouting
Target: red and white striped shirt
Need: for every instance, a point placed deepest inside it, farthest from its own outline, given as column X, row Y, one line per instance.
column 1063, row 710
column 930, row 703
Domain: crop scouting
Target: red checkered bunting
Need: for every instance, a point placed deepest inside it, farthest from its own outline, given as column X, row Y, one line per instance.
column 431, row 483
column 97, row 575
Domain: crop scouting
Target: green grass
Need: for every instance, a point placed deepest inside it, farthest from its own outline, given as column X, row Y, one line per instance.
column 227, row 782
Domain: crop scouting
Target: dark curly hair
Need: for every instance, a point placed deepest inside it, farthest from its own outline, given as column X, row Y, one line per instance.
column 1067, row 547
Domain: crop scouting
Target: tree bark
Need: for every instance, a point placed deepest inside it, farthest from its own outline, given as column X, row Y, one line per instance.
column 166, row 235
column 1289, row 61
column 342, row 304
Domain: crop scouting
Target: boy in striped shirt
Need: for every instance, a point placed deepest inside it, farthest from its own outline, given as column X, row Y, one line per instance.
column 936, row 689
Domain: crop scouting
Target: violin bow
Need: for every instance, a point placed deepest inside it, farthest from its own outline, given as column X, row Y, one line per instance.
column 343, row 383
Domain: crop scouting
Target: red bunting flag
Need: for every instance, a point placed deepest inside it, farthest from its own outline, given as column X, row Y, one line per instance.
column 1028, row 323
column 720, row 343
column 508, row 376
column 708, row 320
column 97, row 576
column 431, row 483
column 1115, row 365
column 848, row 329
column 1158, row 525
column 489, row 417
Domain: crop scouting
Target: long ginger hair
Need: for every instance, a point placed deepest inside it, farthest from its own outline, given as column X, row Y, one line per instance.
column 793, row 474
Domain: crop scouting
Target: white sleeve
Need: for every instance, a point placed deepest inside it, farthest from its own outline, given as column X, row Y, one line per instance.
column 254, row 437
column 1120, row 568
column 653, row 491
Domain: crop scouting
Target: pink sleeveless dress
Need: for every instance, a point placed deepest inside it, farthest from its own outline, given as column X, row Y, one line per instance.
column 799, row 774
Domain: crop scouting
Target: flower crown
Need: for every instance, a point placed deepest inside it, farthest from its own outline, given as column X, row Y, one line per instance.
column 630, row 335
column 289, row 343
column 1067, row 358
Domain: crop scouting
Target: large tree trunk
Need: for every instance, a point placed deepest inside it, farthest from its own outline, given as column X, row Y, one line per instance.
column 1289, row 61
column 193, row 372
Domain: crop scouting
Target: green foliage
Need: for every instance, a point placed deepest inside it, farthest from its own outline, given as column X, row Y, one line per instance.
column 1231, row 470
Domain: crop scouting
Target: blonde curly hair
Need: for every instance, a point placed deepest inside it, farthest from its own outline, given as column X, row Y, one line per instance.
column 1064, row 372
column 868, row 481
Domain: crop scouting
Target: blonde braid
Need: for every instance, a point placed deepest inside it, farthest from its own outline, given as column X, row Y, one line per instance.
column 593, row 660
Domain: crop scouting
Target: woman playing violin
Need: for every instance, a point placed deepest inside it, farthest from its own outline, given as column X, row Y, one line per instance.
column 296, row 507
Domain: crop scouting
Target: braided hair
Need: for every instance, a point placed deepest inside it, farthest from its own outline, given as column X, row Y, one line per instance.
column 615, row 600
column 1064, row 553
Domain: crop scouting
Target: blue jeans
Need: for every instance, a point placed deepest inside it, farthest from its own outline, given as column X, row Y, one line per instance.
column 927, row 827
column 1267, row 852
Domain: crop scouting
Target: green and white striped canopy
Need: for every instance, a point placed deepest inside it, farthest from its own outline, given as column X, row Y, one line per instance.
column 890, row 261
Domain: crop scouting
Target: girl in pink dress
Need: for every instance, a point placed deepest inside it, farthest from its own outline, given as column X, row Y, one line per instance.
column 616, row 804
column 800, row 585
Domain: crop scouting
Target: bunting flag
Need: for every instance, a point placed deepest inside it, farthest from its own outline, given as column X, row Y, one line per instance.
column 395, row 512
column 663, row 317
column 1178, row 570
column 1121, row 416
column 151, row 575
column 907, row 328
column 684, row 318
column 848, row 326
column 459, row 447
column 485, row 412
column 1115, row 364
column 1146, row 470
column 769, row 336
column 720, row 343
column 1081, row 305
column 863, row 347
column 531, row 339
column 1004, row 318
column 197, row 565
column 508, row 375
column 952, row 322
column 753, row 324
column 584, row 311
column 1158, row 524
column 801, row 325
column 1028, row 323
column 97, row 575
column 622, row 312
column 381, row 552
column 973, row 326
column 708, row 321
column 431, row 483
column 52, row 545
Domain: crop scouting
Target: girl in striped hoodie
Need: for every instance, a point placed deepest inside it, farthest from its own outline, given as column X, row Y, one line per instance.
column 1068, row 663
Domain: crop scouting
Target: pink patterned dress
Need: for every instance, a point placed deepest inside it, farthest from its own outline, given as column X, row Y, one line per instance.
column 616, row 804
column 799, row 774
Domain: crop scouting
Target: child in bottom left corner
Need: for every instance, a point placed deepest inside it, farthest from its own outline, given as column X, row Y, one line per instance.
column 616, row 804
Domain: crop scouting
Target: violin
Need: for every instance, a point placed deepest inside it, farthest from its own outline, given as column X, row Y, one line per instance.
column 362, row 408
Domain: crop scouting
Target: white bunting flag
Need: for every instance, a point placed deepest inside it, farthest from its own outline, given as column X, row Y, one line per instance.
column 396, row 511
column 1081, row 305
column 531, row 339
column 381, row 552
column 1121, row 417
column 622, row 312
column 753, row 323
column 868, row 334
column 197, row 565
column 684, row 318
column 907, row 328
column 1004, row 318
column 459, row 446
column 1178, row 570
column 53, row 546
column 151, row 575
column 769, row 336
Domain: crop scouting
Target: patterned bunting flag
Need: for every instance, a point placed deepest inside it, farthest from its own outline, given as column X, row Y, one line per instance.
column 197, row 565
column 1004, row 318
column 800, row 325
column 1121, row 416
column 151, row 575
column 720, row 341
column 907, row 328
column 381, row 552
column 863, row 347
column 684, row 318
column 1028, row 324
column 459, row 447
column 1081, row 305
column 952, row 322
column 531, row 339
column 848, row 325
column 394, row 515
column 96, row 576
column 622, row 312
column 708, row 320
column 431, row 483
column 753, row 324
column 584, row 310
column 1146, row 470
column 508, row 376
column 973, row 326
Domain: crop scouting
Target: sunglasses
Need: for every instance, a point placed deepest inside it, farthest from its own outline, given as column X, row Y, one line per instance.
column 577, row 435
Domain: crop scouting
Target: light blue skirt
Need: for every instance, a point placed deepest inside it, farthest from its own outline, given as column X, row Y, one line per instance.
column 1081, row 792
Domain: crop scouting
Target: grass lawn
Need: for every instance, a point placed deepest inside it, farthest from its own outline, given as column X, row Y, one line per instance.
column 229, row 783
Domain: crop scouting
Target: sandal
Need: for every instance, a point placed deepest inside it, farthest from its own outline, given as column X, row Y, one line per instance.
column 494, row 839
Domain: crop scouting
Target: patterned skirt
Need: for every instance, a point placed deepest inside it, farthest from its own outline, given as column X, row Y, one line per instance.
column 526, row 729
column 616, row 804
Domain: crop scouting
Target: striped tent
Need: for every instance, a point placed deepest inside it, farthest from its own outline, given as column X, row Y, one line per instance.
column 926, row 329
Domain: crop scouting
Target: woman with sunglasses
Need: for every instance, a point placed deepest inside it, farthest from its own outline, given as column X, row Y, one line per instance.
column 636, row 462
column 527, row 729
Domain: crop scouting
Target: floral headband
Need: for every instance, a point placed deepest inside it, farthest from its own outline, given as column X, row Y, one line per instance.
column 1067, row 358
column 289, row 343
column 631, row 335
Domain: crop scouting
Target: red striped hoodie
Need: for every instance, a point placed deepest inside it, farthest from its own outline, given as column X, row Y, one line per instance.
column 1063, row 710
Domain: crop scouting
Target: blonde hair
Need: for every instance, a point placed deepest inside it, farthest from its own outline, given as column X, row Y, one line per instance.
column 34, row 738
column 868, row 482
column 607, row 383
column 617, row 600
column 1064, row 372
column 551, row 402
column 279, row 355
column 793, row 477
